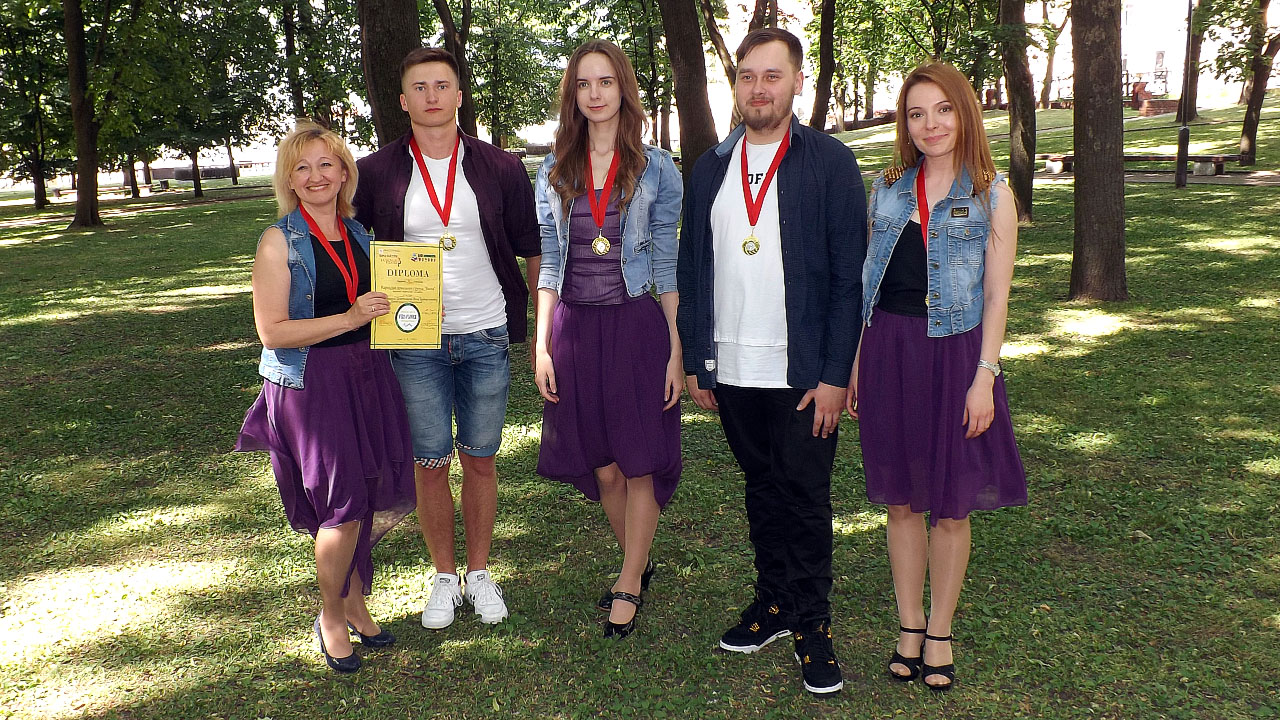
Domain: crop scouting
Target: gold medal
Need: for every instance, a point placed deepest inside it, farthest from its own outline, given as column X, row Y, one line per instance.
column 600, row 246
column 751, row 245
column 448, row 241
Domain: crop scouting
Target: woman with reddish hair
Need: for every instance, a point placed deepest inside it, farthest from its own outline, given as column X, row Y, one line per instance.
column 926, row 386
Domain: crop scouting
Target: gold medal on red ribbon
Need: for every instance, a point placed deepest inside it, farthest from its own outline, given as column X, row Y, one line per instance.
column 600, row 246
column 448, row 240
column 751, row 245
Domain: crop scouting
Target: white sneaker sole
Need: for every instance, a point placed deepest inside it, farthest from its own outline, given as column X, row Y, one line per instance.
column 822, row 690
column 748, row 649
column 492, row 619
column 435, row 626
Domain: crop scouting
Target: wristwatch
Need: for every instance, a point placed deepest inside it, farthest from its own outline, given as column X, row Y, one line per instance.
column 993, row 367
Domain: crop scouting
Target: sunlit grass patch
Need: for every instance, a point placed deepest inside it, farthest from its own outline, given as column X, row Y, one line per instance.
column 1088, row 324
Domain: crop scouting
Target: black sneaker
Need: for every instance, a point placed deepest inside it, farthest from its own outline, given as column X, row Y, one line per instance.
column 761, row 624
column 817, row 660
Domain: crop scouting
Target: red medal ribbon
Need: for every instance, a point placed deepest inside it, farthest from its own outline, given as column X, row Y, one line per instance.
column 754, row 206
column 922, row 202
column 350, row 274
column 601, row 203
column 431, row 188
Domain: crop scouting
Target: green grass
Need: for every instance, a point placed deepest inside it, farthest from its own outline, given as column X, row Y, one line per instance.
column 146, row 572
column 1215, row 132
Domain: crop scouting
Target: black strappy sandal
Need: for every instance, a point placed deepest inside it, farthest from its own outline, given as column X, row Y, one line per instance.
column 613, row 629
column 947, row 671
column 912, row 664
column 605, row 603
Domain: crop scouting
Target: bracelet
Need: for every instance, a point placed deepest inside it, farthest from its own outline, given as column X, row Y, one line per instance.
column 993, row 367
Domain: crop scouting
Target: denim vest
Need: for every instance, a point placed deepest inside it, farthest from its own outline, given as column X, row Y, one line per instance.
column 649, row 246
column 959, row 226
column 284, row 366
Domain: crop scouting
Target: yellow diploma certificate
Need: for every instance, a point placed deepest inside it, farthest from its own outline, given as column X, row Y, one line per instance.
column 410, row 274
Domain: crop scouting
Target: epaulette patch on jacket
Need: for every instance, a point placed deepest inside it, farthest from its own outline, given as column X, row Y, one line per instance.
column 891, row 175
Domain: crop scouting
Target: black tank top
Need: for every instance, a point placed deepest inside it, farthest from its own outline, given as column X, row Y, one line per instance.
column 331, row 290
column 906, row 280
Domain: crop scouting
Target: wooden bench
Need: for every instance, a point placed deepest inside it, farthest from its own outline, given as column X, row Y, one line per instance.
column 1203, row 164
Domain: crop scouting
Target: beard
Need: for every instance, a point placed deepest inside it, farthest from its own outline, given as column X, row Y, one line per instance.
column 765, row 118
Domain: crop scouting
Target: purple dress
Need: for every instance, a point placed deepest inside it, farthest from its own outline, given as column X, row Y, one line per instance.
column 340, row 446
column 609, row 352
column 911, row 393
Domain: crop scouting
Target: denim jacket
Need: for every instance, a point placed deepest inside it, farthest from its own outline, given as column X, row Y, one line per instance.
column 649, row 247
column 284, row 366
column 955, row 266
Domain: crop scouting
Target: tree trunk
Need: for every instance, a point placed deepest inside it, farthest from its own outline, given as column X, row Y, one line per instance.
column 41, row 199
column 689, row 71
column 1022, row 103
column 131, row 176
column 1255, row 87
column 1051, row 49
column 197, row 188
column 869, row 93
column 388, row 31
column 146, row 170
column 826, row 67
column 1191, row 84
column 86, row 125
column 291, row 60
column 1097, row 260
column 455, row 41
column 231, row 165
column 760, row 16
column 717, row 41
column 664, row 137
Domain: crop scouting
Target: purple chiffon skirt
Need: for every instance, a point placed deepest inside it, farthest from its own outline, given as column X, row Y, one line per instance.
column 911, row 393
column 611, row 365
column 340, row 447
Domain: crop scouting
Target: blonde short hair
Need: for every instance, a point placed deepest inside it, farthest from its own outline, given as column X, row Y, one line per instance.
column 287, row 154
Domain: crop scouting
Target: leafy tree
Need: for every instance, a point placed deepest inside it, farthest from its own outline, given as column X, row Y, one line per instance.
column 1248, row 53
column 35, row 139
column 681, row 24
column 1051, row 33
column 515, row 81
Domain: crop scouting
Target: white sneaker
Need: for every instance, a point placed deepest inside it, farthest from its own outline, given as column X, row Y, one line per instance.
column 446, row 594
column 485, row 595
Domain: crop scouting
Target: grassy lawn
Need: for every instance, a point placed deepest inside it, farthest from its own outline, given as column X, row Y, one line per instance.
column 1215, row 132
column 146, row 572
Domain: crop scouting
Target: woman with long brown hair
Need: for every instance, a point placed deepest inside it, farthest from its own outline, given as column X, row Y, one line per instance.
column 608, row 359
column 926, row 386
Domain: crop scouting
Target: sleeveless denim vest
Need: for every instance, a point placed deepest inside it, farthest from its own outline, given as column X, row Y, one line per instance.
column 959, row 227
column 285, row 366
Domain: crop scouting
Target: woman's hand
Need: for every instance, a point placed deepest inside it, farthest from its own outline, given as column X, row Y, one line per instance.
column 979, row 405
column 545, row 375
column 367, row 307
column 851, row 392
column 675, row 381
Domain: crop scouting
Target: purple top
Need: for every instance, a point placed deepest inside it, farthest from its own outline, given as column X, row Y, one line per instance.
column 592, row 279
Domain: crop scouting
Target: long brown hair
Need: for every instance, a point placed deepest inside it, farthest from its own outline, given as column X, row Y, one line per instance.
column 972, row 152
column 569, row 175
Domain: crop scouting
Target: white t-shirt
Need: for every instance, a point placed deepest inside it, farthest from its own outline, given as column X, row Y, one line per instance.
column 750, row 296
column 472, row 297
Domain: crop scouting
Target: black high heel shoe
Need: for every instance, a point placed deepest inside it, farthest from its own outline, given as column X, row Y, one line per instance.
column 912, row 664
column 605, row 603
column 381, row 640
column 613, row 629
column 947, row 671
column 348, row 664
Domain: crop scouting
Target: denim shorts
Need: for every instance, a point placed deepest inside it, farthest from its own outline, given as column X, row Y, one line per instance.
column 468, row 376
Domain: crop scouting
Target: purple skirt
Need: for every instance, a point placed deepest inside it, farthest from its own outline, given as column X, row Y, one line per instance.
column 611, row 367
column 340, row 447
column 911, row 392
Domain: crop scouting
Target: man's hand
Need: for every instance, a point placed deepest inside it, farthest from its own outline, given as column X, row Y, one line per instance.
column 828, row 401
column 704, row 399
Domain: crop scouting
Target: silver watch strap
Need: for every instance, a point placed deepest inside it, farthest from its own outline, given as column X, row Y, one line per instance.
column 993, row 367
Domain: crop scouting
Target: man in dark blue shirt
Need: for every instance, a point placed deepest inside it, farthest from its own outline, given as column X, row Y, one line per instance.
column 771, row 251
